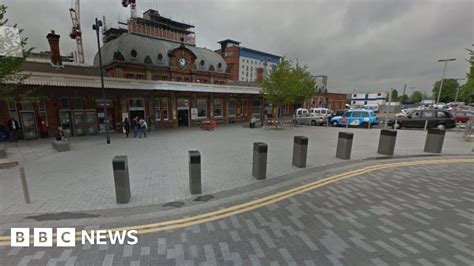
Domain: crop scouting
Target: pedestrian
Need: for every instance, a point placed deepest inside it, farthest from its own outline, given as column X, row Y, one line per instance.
column 135, row 126
column 253, row 120
column 126, row 126
column 60, row 134
column 43, row 128
column 13, row 127
column 142, row 127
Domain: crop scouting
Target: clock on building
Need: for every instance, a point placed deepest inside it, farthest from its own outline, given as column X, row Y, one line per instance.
column 182, row 62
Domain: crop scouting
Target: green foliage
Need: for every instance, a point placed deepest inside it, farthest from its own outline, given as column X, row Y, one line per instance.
column 288, row 84
column 466, row 93
column 395, row 97
column 448, row 92
column 416, row 96
column 10, row 77
column 404, row 98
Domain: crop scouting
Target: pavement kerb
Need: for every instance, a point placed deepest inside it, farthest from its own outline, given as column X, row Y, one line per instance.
column 257, row 203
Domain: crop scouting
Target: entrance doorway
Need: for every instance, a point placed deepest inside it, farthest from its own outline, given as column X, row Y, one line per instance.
column 28, row 122
column 135, row 113
column 183, row 117
column 183, row 112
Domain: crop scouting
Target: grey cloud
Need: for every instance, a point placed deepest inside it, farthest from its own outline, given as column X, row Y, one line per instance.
column 363, row 45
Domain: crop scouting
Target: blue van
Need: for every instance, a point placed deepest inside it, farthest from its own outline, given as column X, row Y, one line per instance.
column 357, row 118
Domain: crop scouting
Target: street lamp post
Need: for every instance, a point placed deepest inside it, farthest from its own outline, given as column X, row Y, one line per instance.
column 444, row 73
column 457, row 91
column 96, row 27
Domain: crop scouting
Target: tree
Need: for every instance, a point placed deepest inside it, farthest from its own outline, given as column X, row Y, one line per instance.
column 466, row 93
column 404, row 98
column 10, row 77
column 288, row 84
column 448, row 92
column 416, row 96
column 394, row 95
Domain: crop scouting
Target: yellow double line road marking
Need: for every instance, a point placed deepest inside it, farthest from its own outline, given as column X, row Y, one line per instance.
column 254, row 204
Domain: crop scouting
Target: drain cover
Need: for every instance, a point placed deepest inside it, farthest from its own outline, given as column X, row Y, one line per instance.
column 61, row 216
column 204, row 198
column 174, row 204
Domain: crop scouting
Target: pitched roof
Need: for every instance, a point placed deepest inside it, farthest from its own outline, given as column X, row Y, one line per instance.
column 153, row 47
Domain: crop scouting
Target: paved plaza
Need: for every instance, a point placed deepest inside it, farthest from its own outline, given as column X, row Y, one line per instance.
column 408, row 215
column 82, row 179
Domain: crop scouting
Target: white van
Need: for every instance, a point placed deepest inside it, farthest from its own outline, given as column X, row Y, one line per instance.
column 320, row 111
column 301, row 111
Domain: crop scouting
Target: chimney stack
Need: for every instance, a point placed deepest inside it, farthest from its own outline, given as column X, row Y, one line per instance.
column 53, row 40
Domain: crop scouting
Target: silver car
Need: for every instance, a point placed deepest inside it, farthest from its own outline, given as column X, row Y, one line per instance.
column 310, row 119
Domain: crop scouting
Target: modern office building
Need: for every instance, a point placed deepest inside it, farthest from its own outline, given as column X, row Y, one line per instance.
column 245, row 64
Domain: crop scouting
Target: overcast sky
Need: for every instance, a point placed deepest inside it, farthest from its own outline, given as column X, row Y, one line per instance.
column 360, row 45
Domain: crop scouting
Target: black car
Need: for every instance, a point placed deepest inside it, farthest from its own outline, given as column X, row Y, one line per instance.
column 417, row 119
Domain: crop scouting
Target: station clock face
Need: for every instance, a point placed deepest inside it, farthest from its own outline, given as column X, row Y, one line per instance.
column 182, row 62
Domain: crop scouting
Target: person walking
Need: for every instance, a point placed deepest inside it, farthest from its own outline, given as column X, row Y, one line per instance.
column 13, row 127
column 253, row 120
column 126, row 126
column 135, row 126
column 43, row 128
column 142, row 127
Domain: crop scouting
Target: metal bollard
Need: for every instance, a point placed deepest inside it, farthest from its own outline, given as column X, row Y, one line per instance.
column 195, row 172
column 426, row 125
column 344, row 145
column 387, row 141
column 434, row 140
column 24, row 185
column 300, row 151
column 259, row 166
column 121, row 178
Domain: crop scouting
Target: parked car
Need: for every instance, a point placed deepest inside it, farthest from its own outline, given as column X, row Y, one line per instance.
column 310, row 119
column 324, row 112
column 339, row 112
column 360, row 118
column 301, row 111
column 416, row 119
column 463, row 116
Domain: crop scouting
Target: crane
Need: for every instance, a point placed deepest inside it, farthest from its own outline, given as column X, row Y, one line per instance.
column 76, row 33
column 133, row 7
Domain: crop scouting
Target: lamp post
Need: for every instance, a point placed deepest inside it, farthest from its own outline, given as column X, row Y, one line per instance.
column 444, row 73
column 457, row 91
column 96, row 27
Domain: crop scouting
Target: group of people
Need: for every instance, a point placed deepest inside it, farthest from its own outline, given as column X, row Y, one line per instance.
column 138, row 126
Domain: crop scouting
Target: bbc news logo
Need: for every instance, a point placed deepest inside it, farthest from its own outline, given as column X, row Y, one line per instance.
column 66, row 237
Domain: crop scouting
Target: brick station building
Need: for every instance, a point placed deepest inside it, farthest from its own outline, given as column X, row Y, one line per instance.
column 152, row 70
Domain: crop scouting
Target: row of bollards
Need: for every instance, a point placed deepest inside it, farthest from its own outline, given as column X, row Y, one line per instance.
column 386, row 146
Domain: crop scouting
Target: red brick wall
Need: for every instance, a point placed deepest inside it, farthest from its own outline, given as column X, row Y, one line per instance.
column 231, row 56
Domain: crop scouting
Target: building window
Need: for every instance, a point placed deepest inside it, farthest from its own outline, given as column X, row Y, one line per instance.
column 148, row 60
column 186, row 79
column 244, row 106
column 164, row 106
column 160, row 57
column 201, row 62
column 77, row 104
column 219, row 65
column 42, row 110
column 27, row 106
column 217, row 105
column 136, row 103
column 155, row 77
column 164, row 78
column 12, row 109
column 139, row 76
column 157, row 105
column 202, row 107
column 129, row 76
column 231, row 107
column 256, row 107
column 133, row 53
column 64, row 103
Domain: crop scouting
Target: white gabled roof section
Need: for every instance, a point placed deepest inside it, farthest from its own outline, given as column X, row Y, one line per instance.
column 79, row 81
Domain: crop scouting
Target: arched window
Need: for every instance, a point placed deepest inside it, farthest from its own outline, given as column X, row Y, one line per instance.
column 219, row 66
column 201, row 62
column 160, row 57
column 211, row 68
column 133, row 53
